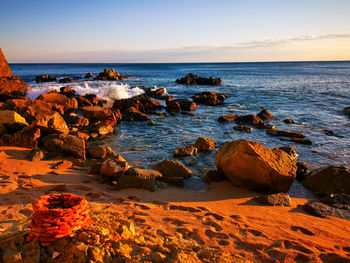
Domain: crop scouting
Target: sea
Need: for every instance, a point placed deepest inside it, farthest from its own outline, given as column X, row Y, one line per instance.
column 313, row 94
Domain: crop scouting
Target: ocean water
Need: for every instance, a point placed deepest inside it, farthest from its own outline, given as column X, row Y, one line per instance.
column 314, row 94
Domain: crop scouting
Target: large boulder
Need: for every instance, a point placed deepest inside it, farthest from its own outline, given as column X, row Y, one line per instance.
column 113, row 168
column 329, row 180
column 97, row 113
column 5, row 71
column 27, row 137
column 59, row 99
column 173, row 168
column 142, row 103
column 191, row 79
column 209, row 98
column 250, row 165
column 52, row 123
column 186, row 104
column 65, row 143
column 11, row 120
column 74, row 120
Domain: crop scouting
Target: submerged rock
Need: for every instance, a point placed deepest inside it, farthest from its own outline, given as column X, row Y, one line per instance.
column 243, row 128
column 173, row 168
column 278, row 199
column 185, row 151
column 347, row 110
column 265, row 115
column 288, row 121
column 210, row 98
column 191, row 79
column 329, row 180
column 285, row 133
column 250, row 165
column 173, row 107
column 228, row 118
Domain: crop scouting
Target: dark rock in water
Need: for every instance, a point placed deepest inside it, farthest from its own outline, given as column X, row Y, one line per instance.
column 248, row 119
column 175, row 181
column 284, row 133
column 173, row 107
column 110, row 74
column 88, row 75
column 191, row 79
column 185, row 151
column 329, row 180
column 227, row 118
column 263, row 125
column 328, row 132
column 265, row 115
column 290, row 151
column 100, row 152
column 347, row 110
column 45, row 78
column 66, row 80
column 67, row 91
column 319, row 209
column 210, row 98
column 186, row 113
column 27, row 137
column 297, row 140
column 242, row 128
column 132, row 114
column 186, row 104
column 288, row 121
column 279, row 199
column 205, row 144
column 302, row 170
column 212, row 175
column 250, row 165
column 65, row 143
column 173, row 168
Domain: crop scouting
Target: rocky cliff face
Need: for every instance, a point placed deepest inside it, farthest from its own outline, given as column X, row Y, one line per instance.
column 5, row 71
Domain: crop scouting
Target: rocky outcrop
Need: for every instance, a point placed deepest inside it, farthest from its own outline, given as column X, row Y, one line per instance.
column 45, row 78
column 265, row 115
column 185, row 151
column 11, row 121
column 205, row 144
column 52, row 123
column 74, row 120
column 249, row 119
column 173, row 107
column 57, row 99
column 27, row 137
column 100, row 152
column 99, row 114
column 284, row 133
column 250, row 165
column 329, row 180
column 142, row 103
column 110, row 74
column 191, row 79
column 65, row 143
column 320, row 209
column 133, row 114
column 173, row 168
column 209, row 98
column 67, row 91
column 66, row 80
column 10, row 86
column 228, row 118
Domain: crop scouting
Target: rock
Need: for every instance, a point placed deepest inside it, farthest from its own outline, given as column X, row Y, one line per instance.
column 250, row 165
column 250, row 119
column 27, row 137
column 186, row 113
column 100, row 152
column 210, row 98
column 132, row 114
column 144, row 173
column 80, row 134
column 158, row 257
column 284, row 133
column 58, row 99
column 227, row 118
column 142, row 103
column 185, row 151
column 110, row 74
column 205, row 144
column 67, row 91
column 74, row 120
column 66, row 80
column 301, row 141
column 52, row 123
column 191, row 79
column 12, row 88
column 186, row 104
column 93, row 98
column 329, row 180
column 347, row 110
column 341, row 201
column 302, row 170
column 102, row 129
column 265, row 115
column 65, row 143
column 212, row 175
column 242, row 128
column 12, row 121
column 62, row 165
column 114, row 167
column 173, row 107
column 35, row 155
column 319, row 209
column 45, row 78
column 5, row 71
column 88, row 75
column 175, row 181
column 263, row 125
column 99, row 114
column 83, row 101
column 288, row 121
column 279, row 199
column 290, row 151
column 127, row 181
column 173, row 168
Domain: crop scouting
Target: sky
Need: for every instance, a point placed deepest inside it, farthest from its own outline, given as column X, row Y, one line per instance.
column 174, row 30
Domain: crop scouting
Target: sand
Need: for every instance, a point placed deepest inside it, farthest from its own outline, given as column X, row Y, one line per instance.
column 223, row 217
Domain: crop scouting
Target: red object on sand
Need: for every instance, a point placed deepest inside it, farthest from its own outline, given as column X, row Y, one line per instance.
column 57, row 216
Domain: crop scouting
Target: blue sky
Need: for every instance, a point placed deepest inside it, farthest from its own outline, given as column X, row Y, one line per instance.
column 174, row 31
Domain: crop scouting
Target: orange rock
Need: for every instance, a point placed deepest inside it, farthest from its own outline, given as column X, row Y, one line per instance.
column 5, row 71
column 52, row 123
column 250, row 165
column 205, row 144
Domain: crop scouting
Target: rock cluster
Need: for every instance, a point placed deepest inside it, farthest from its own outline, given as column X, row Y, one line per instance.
column 210, row 98
column 110, row 74
column 191, row 79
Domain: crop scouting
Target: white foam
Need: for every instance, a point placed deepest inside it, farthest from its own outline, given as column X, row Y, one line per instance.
column 104, row 89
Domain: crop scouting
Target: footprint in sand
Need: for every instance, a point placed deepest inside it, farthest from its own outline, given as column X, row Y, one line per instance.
column 139, row 220
column 302, row 230
column 333, row 257
column 256, row 233
column 144, row 207
column 138, row 213
column 184, row 208
column 209, row 222
column 297, row 246
column 216, row 216
column 203, row 208
column 211, row 234
column 174, row 221
column 160, row 202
